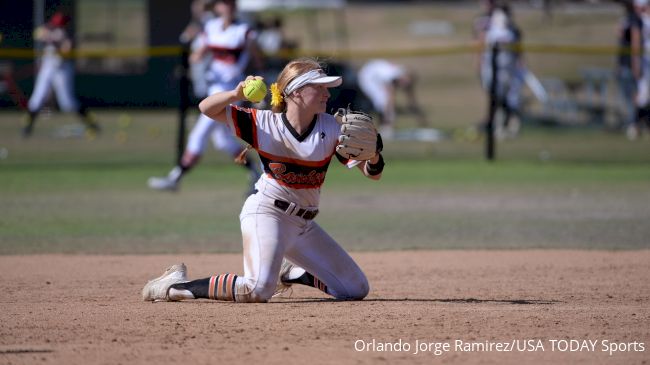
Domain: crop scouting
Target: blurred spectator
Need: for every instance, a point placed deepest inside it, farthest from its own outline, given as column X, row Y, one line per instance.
column 230, row 44
column 628, row 69
column 56, row 73
column 380, row 80
column 201, row 13
column 641, row 49
column 503, row 31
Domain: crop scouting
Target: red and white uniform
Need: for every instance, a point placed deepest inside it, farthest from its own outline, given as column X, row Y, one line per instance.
column 55, row 73
column 229, row 51
column 295, row 167
column 230, row 56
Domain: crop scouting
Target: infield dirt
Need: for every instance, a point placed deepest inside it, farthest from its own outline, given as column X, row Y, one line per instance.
column 77, row 309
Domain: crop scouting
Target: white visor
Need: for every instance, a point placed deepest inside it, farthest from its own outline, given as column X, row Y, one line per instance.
column 313, row 77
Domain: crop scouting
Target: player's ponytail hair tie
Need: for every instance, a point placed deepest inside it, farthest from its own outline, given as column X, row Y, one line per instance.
column 276, row 95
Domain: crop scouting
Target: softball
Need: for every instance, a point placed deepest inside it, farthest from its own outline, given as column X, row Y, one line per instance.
column 255, row 90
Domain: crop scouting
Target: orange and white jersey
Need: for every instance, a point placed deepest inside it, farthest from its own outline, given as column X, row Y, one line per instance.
column 294, row 165
column 229, row 49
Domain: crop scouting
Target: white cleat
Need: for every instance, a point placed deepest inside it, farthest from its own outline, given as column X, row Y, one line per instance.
column 162, row 183
column 288, row 271
column 156, row 289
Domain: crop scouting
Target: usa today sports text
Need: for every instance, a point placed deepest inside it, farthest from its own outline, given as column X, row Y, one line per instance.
column 418, row 347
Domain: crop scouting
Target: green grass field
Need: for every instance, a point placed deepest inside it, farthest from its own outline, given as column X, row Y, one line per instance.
column 578, row 188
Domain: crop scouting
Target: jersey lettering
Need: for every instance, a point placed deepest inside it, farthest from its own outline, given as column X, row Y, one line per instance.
column 294, row 175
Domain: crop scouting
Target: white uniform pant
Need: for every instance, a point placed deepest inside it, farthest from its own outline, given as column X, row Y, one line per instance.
column 222, row 137
column 269, row 234
column 58, row 74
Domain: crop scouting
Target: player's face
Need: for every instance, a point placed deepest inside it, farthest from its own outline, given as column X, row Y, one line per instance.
column 315, row 97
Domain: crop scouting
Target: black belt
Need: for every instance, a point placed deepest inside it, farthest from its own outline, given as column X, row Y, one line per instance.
column 303, row 213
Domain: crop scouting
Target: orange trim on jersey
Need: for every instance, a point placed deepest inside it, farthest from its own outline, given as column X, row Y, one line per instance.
column 275, row 158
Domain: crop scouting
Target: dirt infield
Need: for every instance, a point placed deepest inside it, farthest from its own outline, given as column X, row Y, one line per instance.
column 70, row 309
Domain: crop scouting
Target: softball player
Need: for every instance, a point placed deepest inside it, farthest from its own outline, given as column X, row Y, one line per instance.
column 628, row 68
column 56, row 72
column 230, row 43
column 641, row 46
column 380, row 80
column 510, row 69
column 296, row 142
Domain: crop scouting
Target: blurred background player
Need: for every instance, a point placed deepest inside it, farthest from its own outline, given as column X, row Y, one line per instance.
column 230, row 44
column 640, row 65
column 628, row 67
column 380, row 80
column 56, row 73
column 511, row 70
column 201, row 14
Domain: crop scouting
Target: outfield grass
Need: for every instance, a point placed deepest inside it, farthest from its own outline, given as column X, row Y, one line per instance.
column 591, row 190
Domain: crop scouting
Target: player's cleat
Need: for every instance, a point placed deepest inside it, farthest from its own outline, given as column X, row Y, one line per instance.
column 157, row 289
column 288, row 272
column 283, row 285
column 170, row 182
column 162, row 183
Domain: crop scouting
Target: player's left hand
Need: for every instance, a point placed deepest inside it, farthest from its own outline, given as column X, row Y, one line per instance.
column 359, row 139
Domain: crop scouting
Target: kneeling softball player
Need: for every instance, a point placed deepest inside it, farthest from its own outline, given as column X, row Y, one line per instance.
column 282, row 243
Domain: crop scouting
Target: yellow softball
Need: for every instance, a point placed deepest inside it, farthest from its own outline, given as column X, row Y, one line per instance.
column 255, row 90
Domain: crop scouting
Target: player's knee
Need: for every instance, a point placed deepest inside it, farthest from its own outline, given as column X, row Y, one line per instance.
column 361, row 290
column 357, row 289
